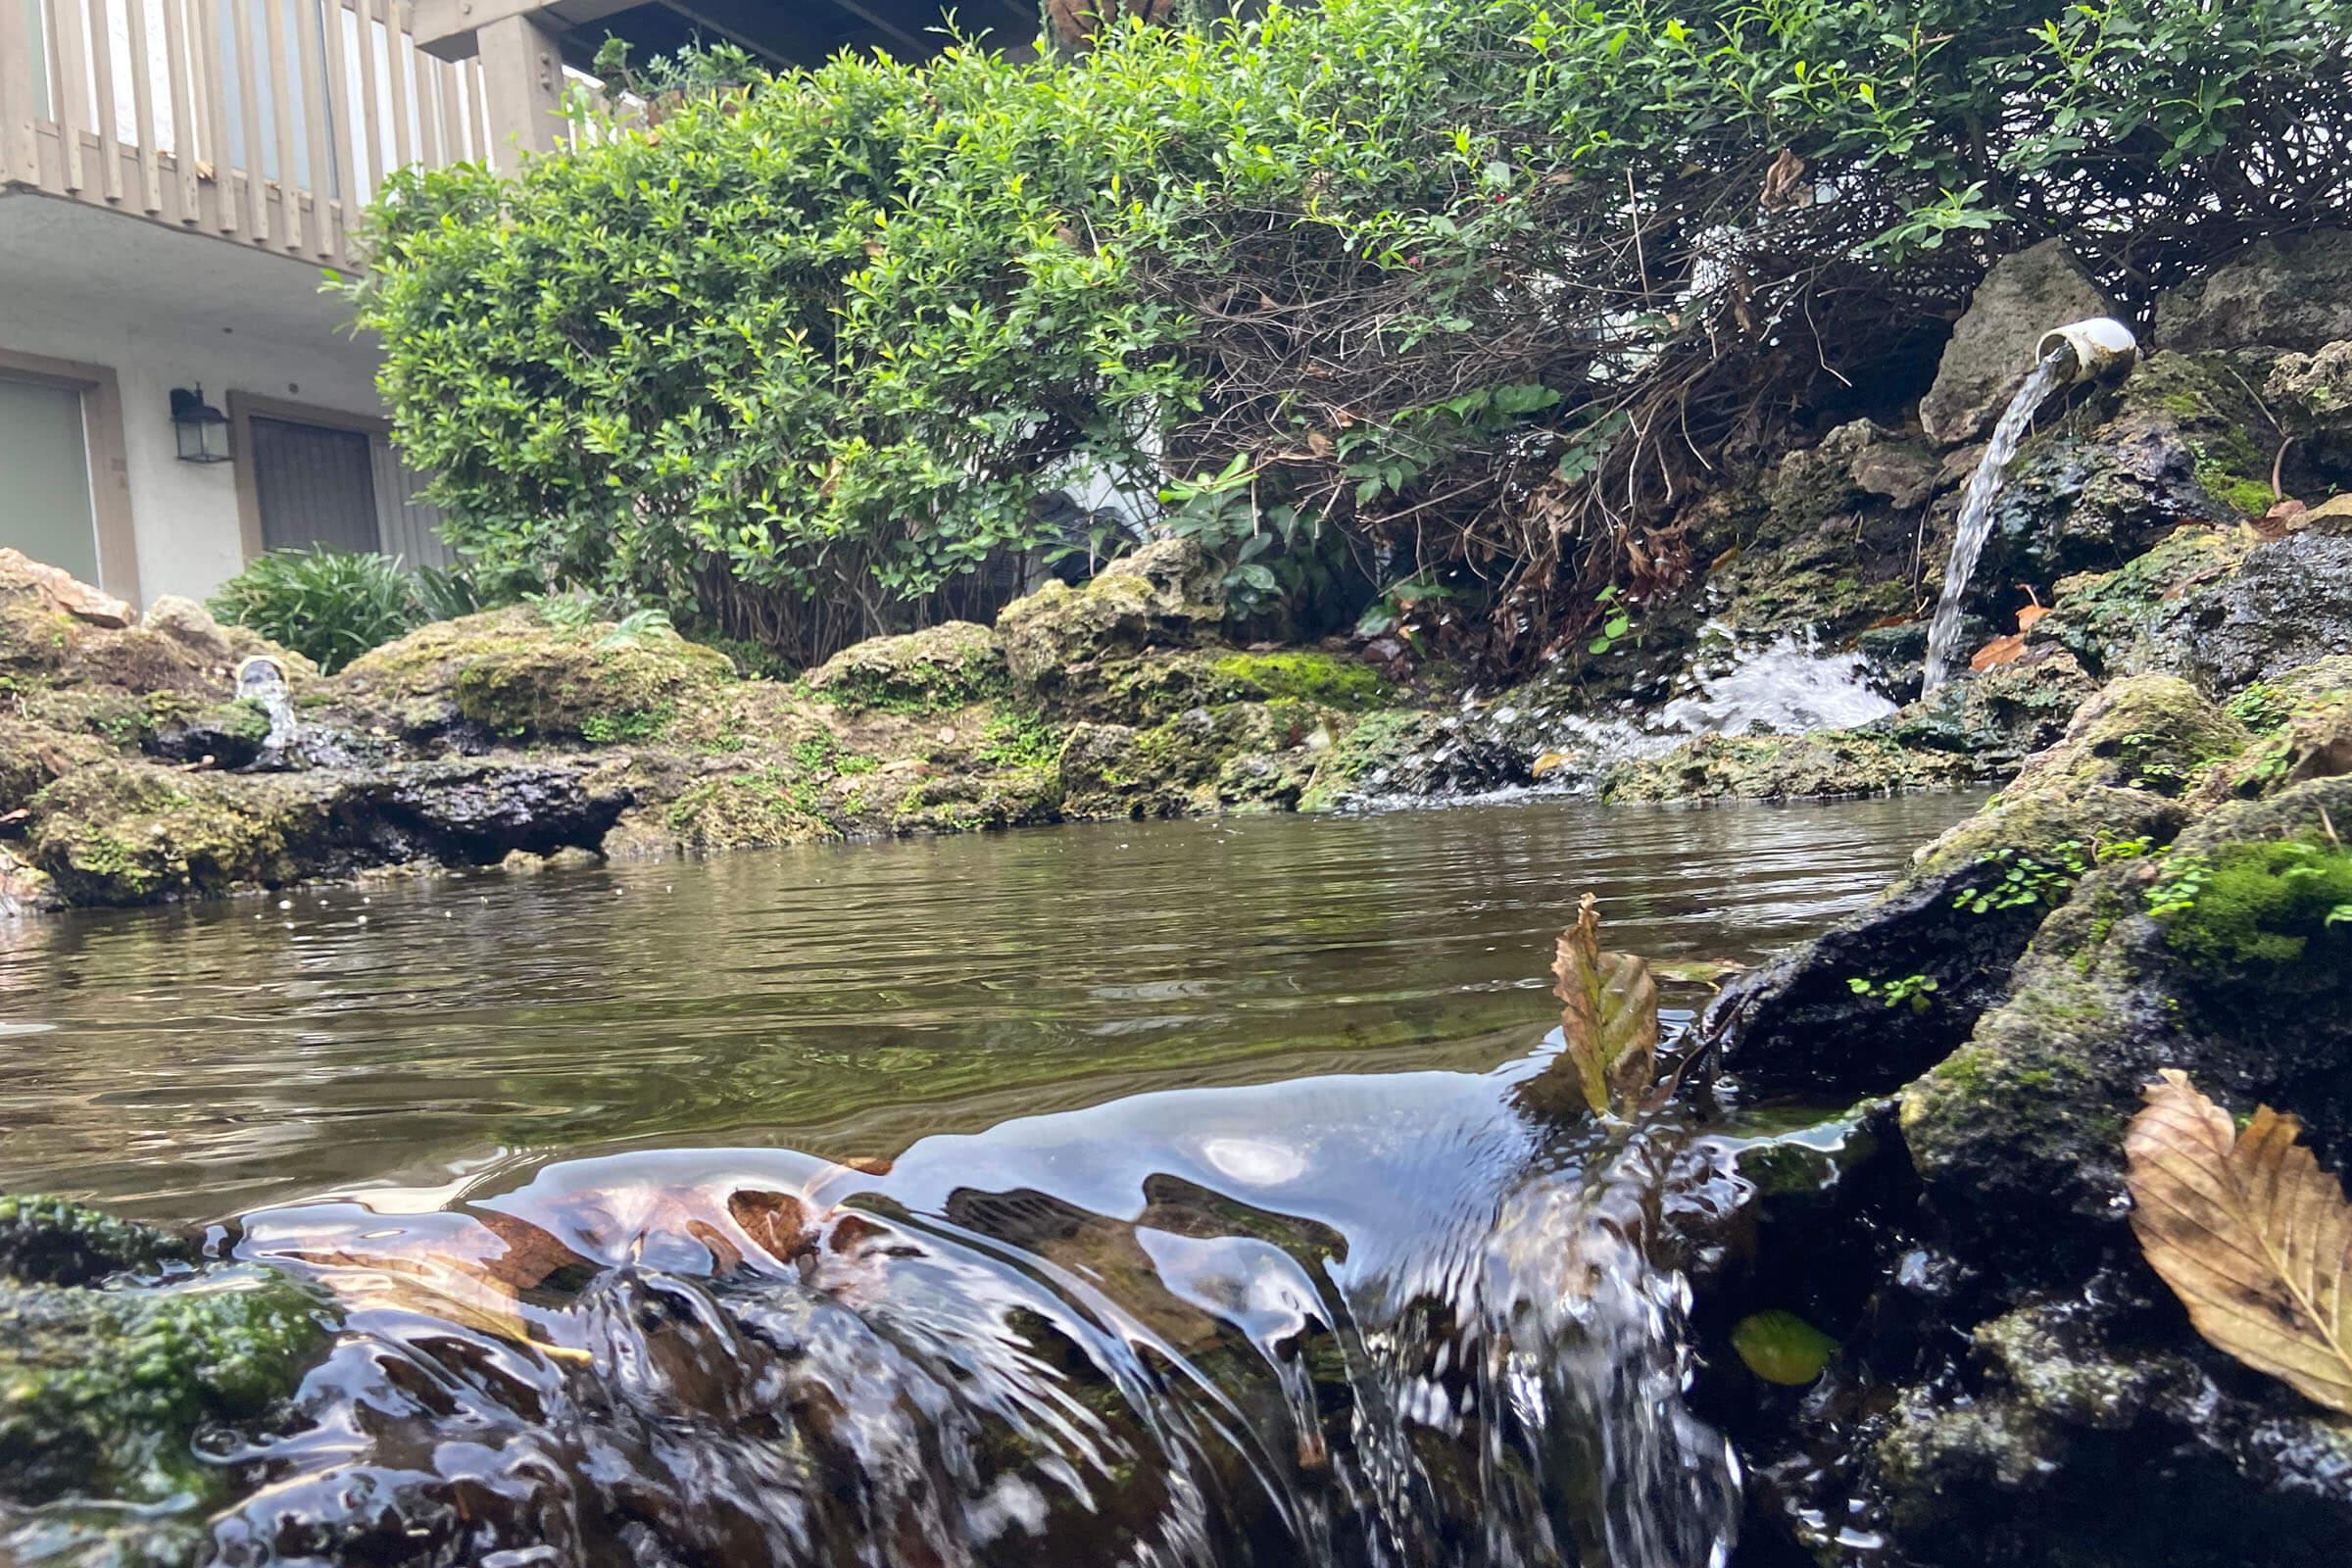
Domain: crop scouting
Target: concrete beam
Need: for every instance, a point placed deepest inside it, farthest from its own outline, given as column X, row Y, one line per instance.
column 523, row 77
column 447, row 29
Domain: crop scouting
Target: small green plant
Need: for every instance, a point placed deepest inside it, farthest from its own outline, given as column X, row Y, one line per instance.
column 329, row 606
column 1617, row 620
column 2028, row 880
column 635, row 625
column 627, row 724
column 1019, row 740
column 1915, row 991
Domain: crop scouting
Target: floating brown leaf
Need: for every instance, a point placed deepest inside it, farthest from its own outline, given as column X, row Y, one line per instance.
column 2252, row 1236
column 1608, row 1015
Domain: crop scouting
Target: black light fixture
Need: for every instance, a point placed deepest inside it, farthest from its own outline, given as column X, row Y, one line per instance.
column 202, row 429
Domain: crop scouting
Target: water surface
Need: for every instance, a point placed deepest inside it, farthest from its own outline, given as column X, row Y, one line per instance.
column 847, row 1000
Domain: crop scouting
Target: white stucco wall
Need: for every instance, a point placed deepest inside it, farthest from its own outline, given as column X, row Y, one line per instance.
column 165, row 309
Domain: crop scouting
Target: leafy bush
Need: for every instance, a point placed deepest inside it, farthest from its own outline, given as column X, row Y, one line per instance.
column 329, row 606
column 1478, row 290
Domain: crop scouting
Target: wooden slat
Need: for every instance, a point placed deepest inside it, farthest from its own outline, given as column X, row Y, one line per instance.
column 310, row 48
column 348, row 183
column 400, row 51
column 102, row 72
column 426, row 109
column 249, row 105
column 281, row 116
column 215, row 115
column 179, row 66
column 142, row 105
column 453, row 130
column 371, row 115
column 67, row 20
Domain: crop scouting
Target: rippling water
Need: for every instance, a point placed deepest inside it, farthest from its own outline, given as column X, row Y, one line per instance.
column 1154, row 1196
column 847, row 1000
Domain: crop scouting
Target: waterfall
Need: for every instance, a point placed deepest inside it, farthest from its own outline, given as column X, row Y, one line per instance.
column 261, row 680
column 1975, row 510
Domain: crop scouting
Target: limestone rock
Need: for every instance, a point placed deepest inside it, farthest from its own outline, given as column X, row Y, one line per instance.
column 1992, row 349
column 57, row 589
column 1968, row 907
column 1169, row 594
column 948, row 665
column 2292, row 292
column 2288, row 603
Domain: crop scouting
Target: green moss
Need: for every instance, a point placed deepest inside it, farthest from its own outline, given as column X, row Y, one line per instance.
column 935, row 670
column 1016, row 739
column 2260, row 905
column 49, row 1241
column 625, row 724
column 102, row 1391
column 1324, row 678
column 749, row 810
column 1376, row 744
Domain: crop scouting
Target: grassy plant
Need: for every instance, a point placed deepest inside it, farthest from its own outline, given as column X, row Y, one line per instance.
column 329, row 606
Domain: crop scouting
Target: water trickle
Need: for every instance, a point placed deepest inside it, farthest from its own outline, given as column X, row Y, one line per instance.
column 1975, row 510
column 1394, row 1321
column 260, row 679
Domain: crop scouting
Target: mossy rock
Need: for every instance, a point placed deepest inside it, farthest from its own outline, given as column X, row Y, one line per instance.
column 1236, row 754
column 753, row 809
column 509, row 672
column 2302, row 725
column 1169, row 594
column 1327, row 680
column 1998, row 718
column 1776, row 768
column 969, row 801
column 33, row 756
column 48, row 1241
column 103, row 1391
column 120, row 833
column 944, row 667
column 2106, row 620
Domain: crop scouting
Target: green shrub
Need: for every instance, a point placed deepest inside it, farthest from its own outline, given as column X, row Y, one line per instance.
column 1463, row 284
column 329, row 606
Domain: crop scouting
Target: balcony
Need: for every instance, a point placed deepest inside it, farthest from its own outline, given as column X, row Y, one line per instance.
column 270, row 124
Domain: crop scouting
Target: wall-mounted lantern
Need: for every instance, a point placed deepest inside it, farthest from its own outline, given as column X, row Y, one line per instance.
column 202, row 429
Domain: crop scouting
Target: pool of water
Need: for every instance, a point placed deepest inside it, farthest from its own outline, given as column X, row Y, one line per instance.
column 847, row 1000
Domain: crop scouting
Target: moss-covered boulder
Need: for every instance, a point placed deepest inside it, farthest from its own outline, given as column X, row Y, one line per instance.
column 1998, row 718
column 946, row 667
column 1237, row 754
column 124, row 833
column 1854, row 1013
column 1169, row 594
column 121, row 1350
column 1777, row 768
column 516, row 679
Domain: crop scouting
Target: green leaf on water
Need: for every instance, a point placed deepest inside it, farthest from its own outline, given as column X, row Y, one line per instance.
column 1782, row 1347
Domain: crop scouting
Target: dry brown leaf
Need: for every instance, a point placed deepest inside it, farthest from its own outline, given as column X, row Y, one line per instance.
column 1608, row 1015
column 2253, row 1237
column 1999, row 651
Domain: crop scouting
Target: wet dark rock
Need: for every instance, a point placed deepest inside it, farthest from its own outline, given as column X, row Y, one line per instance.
column 2288, row 603
column 1850, row 1014
column 1992, row 349
column 2292, row 292
column 1893, row 657
column 228, row 735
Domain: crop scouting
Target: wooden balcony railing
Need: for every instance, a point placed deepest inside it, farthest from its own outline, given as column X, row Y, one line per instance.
column 270, row 123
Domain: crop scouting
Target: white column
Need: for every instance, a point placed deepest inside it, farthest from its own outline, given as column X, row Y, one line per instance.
column 522, row 73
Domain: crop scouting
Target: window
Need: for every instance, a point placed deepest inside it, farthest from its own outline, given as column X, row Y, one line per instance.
column 45, row 466
column 315, row 485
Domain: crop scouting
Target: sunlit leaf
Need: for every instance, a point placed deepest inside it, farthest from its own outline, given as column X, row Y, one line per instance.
column 1608, row 1015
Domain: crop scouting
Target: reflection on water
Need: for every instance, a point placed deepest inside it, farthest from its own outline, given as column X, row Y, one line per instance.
column 845, row 999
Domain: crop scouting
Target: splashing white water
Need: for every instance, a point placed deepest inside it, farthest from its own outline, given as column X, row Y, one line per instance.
column 1976, row 512
column 1786, row 686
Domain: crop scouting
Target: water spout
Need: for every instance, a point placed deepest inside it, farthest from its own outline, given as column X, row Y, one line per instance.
column 2093, row 350
column 263, row 679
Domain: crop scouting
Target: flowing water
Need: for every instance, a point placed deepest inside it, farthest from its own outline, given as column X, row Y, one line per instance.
column 1154, row 1194
column 1976, row 512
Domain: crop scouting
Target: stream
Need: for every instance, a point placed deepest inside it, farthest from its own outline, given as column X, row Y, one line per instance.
column 1140, row 1193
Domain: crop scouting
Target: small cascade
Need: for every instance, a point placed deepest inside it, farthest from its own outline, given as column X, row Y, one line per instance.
column 1357, row 1322
column 2083, row 351
column 261, row 679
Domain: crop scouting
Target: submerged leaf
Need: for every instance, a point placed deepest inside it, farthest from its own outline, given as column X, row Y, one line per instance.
column 2253, row 1237
column 1782, row 1347
column 1608, row 1015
